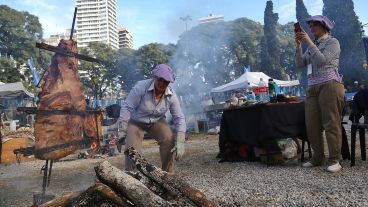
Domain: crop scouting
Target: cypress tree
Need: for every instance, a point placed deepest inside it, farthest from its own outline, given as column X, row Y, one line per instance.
column 348, row 31
column 302, row 15
column 270, row 44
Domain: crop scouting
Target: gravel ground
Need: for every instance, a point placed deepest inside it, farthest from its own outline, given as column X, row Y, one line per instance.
column 228, row 184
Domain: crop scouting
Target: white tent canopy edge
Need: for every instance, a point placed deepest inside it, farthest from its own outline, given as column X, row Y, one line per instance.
column 253, row 78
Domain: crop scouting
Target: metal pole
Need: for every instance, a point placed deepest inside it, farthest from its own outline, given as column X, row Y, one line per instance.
column 45, row 171
column 185, row 20
column 75, row 15
column 49, row 176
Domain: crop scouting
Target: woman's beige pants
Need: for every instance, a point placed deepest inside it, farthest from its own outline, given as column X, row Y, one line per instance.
column 161, row 132
column 323, row 108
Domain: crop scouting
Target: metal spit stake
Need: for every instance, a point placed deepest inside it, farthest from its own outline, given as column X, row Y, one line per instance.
column 43, row 197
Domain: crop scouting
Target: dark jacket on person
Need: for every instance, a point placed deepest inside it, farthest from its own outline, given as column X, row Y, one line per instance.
column 359, row 105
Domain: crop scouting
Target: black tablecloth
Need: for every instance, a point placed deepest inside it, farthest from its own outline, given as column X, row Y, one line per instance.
column 261, row 125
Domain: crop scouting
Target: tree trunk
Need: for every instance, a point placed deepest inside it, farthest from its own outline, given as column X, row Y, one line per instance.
column 173, row 184
column 128, row 186
column 63, row 201
column 100, row 194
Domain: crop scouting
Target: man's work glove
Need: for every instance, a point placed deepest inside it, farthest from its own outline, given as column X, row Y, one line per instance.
column 122, row 129
column 179, row 147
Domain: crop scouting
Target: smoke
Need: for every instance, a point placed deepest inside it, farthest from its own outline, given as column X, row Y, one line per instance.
column 128, row 70
column 176, row 24
column 198, row 63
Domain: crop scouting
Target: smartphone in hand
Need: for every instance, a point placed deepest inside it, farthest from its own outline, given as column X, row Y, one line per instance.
column 297, row 28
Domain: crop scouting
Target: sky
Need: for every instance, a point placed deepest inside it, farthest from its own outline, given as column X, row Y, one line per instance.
column 159, row 20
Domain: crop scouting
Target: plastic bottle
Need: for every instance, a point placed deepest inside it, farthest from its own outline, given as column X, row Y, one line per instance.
column 277, row 89
column 13, row 126
column 258, row 97
column 262, row 91
column 250, row 96
column 248, row 89
column 298, row 92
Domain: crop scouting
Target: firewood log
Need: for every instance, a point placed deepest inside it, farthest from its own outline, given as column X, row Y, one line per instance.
column 128, row 186
column 149, row 183
column 172, row 183
column 100, row 194
column 62, row 201
column 161, row 191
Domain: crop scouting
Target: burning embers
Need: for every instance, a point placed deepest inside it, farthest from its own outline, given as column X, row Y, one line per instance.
column 94, row 145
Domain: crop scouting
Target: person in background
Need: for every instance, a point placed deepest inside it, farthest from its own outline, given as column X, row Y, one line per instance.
column 325, row 95
column 207, row 101
column 3, row 116
column 21, row 117
column 144, row 111
column 356, row 86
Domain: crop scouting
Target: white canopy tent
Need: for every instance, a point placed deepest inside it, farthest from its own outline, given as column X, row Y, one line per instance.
column 253, row 79
column 10, row 90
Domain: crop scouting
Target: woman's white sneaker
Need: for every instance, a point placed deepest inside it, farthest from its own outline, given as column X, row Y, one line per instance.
column 307, row 164
column 334, row 168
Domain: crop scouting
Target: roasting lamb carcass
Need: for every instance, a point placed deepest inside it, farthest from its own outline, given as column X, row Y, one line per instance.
column 62, row 90
column 92, row 128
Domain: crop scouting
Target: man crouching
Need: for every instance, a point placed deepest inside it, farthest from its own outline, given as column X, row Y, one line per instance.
column 144, row 111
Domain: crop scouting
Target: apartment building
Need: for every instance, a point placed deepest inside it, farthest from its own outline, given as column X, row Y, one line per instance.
column 54, row 39
column 211, row 18
column 97, row 22
column 125, row 38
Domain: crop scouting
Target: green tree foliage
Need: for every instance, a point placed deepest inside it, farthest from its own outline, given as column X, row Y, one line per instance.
column 287, row 49
column 169, row 49
column 99, row 77
column 348, row 31
column 8, row 71
column 302, row 15
column 270, row 44
column 244, row 45
column 135, row 65
column 127, row 69
column 148, row 56
column 19, row 31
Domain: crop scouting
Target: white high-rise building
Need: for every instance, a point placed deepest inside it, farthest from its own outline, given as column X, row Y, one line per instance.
column 125, row 38
column 211, row 19
column 55, row 38
column 97, row 22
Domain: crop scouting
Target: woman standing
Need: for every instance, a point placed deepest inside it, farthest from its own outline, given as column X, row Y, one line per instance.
column 325, row 95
